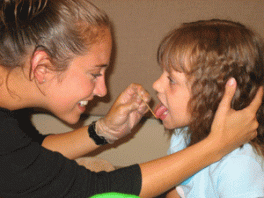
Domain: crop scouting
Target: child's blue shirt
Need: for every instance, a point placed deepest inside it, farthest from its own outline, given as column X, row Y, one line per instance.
column 239, row 174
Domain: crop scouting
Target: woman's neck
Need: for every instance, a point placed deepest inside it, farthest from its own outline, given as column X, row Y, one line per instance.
column 16, row 91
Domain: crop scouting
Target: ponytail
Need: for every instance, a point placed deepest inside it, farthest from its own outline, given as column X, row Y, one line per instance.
column 63, row 29
column 20, row 11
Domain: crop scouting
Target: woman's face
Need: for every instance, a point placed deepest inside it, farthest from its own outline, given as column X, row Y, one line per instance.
column 84, row 79
column 173, row 91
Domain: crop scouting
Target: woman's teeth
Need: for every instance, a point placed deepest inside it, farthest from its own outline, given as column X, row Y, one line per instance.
column 83, row 103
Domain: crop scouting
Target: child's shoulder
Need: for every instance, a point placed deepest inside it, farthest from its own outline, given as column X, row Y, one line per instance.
column 239, row 171
column 241, row 159
column 245, row 152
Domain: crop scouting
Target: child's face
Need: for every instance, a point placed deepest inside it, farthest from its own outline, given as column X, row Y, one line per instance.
column 173, row 91
column 84, row 79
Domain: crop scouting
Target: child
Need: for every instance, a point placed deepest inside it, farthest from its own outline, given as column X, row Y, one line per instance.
column 197, row 60
column 53, row 55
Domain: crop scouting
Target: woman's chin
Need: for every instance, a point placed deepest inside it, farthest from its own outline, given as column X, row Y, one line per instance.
column 71, row 119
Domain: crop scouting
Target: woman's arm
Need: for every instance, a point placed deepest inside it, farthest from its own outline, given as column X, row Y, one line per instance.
column 72, row 144
column 172, row 194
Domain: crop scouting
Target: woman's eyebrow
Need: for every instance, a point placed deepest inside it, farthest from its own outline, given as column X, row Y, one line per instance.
column 102, row 65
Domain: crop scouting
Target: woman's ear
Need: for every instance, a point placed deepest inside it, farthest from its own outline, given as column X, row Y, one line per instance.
column 40, row 66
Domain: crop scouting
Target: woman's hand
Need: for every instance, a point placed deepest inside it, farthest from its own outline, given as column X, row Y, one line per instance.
column 231, row 128
column 125, row 113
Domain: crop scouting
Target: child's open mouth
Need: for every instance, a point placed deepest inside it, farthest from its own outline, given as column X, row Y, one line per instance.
column 161, row 111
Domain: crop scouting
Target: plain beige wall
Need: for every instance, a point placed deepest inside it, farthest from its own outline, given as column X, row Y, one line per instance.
column 139, row 25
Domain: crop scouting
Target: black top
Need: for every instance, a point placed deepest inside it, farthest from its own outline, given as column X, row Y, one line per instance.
column 29, row 170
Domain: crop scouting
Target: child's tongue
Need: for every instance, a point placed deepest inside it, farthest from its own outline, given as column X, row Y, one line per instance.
column 159, row 111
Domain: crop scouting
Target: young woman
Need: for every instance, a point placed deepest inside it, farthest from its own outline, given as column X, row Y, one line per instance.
column 197, row 60
column 53, row 55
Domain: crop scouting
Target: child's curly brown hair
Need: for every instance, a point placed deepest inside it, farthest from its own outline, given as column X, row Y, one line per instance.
column 210, row 52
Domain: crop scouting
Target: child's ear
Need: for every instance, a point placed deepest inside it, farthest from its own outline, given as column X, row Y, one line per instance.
column 40, row 66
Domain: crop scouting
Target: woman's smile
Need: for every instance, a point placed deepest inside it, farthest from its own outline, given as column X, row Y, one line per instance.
column 82, row 105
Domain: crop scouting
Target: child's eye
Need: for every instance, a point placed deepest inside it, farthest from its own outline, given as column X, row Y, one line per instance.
column 171, row 81
column 96, row 75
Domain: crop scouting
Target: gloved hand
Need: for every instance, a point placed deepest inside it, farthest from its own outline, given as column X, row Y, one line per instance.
column 125, row 113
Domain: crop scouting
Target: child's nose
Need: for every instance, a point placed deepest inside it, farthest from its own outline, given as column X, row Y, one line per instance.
column 156, row 85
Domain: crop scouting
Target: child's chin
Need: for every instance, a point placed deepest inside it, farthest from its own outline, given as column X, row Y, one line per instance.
column 168, row 126
column 171, row 126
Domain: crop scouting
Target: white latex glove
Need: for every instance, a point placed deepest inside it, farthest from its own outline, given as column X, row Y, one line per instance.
column 125, row 113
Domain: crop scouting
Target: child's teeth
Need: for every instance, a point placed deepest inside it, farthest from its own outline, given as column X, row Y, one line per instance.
column 83, row 103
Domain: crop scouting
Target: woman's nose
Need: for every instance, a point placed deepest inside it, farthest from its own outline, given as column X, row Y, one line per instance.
column 100, row 87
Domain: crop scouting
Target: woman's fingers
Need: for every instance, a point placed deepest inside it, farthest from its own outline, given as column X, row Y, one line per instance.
column 230, row 90
column 256, row 102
